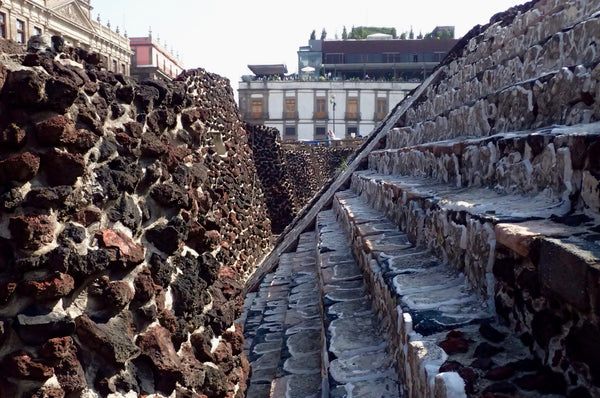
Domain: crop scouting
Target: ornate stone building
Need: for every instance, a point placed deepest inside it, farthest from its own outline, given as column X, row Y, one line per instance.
column 20, row 19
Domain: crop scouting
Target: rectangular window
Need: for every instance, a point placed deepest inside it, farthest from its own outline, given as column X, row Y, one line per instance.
column 3, row 25
column 321, row 108
column 320, row 132
column 123, row 68
column 20, row 31
column 290, row 131
column 290, row 108
column 37, row 30
column 352, row 108
column 114, row 68
column 381, row 108
column 352, row 132
column 257, row 109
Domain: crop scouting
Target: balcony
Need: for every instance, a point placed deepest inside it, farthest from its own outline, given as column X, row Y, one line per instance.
column 290, row 115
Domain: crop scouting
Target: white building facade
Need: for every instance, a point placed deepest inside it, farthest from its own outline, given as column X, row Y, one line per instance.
column 306, row 110
column 71, row 19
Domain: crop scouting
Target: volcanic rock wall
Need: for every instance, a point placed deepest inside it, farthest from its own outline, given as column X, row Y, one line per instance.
column 274, row 178
column 525, row 89
column 130, row 215
column 309, row 167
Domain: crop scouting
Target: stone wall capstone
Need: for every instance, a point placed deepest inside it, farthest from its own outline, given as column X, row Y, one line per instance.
column 130, row 217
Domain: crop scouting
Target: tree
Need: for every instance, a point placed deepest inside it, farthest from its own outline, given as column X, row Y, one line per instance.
column 313, row 35
column 394, row 33
column 411, row 35
column 403, row 36
column 323, row 34
column 420, row 37
column 344, row 33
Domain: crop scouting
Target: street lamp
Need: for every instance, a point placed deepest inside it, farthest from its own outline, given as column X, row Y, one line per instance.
column 332, row 102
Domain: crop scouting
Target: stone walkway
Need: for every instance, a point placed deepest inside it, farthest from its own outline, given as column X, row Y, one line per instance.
column 310, row 330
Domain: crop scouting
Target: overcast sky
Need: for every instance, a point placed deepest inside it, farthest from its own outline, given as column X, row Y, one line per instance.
column 224, row 36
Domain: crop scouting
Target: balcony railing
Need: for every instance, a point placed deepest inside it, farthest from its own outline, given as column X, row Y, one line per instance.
column 352, row 115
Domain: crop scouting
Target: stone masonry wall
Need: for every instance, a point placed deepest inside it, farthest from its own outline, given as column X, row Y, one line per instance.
column 273, row 173
column 130, row 215
column 311, row 166
column 515, row 108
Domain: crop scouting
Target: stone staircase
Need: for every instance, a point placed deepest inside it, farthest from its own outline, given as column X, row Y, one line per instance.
column 473, row 215
column 405, row 290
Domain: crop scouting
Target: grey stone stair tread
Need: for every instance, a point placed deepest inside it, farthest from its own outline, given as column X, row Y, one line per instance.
column 346, row 294
column 306, row 341
column 309, row 363
column 353, row 335
column 259, row 390
column 361, row 367
column 377, row 388
column 350, row 308
column 303, row 386
column 476, row 201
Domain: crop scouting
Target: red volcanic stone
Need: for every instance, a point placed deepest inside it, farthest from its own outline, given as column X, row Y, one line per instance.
column 71, row 166
column 116, row 294
column 88, row 216
column 14, row 136
column 144, row 286
column 192, row 369
column 235, row 338
column 32, row 231
column 202, row 346
column 156, row 345
column 52, row 287
column 500, row 373
column 22, row 168
column 19, row 364
column 61, row 353
column 223, row 357
column 57, row 130
column 123, row 247
column 469, row 376
column 455, row 343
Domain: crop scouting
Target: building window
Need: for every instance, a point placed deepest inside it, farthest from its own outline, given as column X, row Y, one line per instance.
column 352, row 108
column 123, row 68
column 37, row 30
column 352, row 132
column 20, row 31
column 289, row 132
column 114, row 68
column 3, row 25
column 257, row 109
column 320, row 132
column 321, row 108
column 290, row 108
column 381, row 108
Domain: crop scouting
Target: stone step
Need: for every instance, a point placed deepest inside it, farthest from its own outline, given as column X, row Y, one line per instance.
column 360, row 363
column 556, row 163
column 445, row 339
column 283, row 341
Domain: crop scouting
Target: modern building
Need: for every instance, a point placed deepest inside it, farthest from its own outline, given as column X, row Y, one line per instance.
column 347, row 86
column 71, row 19
column 151, row 60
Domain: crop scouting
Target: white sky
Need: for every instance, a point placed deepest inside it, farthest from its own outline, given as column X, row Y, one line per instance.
column 224, row 36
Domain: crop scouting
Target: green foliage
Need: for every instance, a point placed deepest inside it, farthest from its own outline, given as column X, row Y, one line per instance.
column 361, row 32
column 444, row 32
column 343, row 166
column 344, row 33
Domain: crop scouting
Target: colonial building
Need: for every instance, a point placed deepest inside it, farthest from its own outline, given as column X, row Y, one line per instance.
column 71, row 19
column 151, row 60
column 347, row 86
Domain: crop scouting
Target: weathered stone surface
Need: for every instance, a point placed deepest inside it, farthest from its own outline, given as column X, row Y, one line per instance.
column 21, row 364
column 113, row 340
column 156, row 345
column 21, row 168
column 35, row 327
column 32, row 231
column 120, row 247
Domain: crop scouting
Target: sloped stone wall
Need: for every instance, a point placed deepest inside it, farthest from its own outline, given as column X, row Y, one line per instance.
column 130, row 215
column 273, row 173
column 310, row 167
